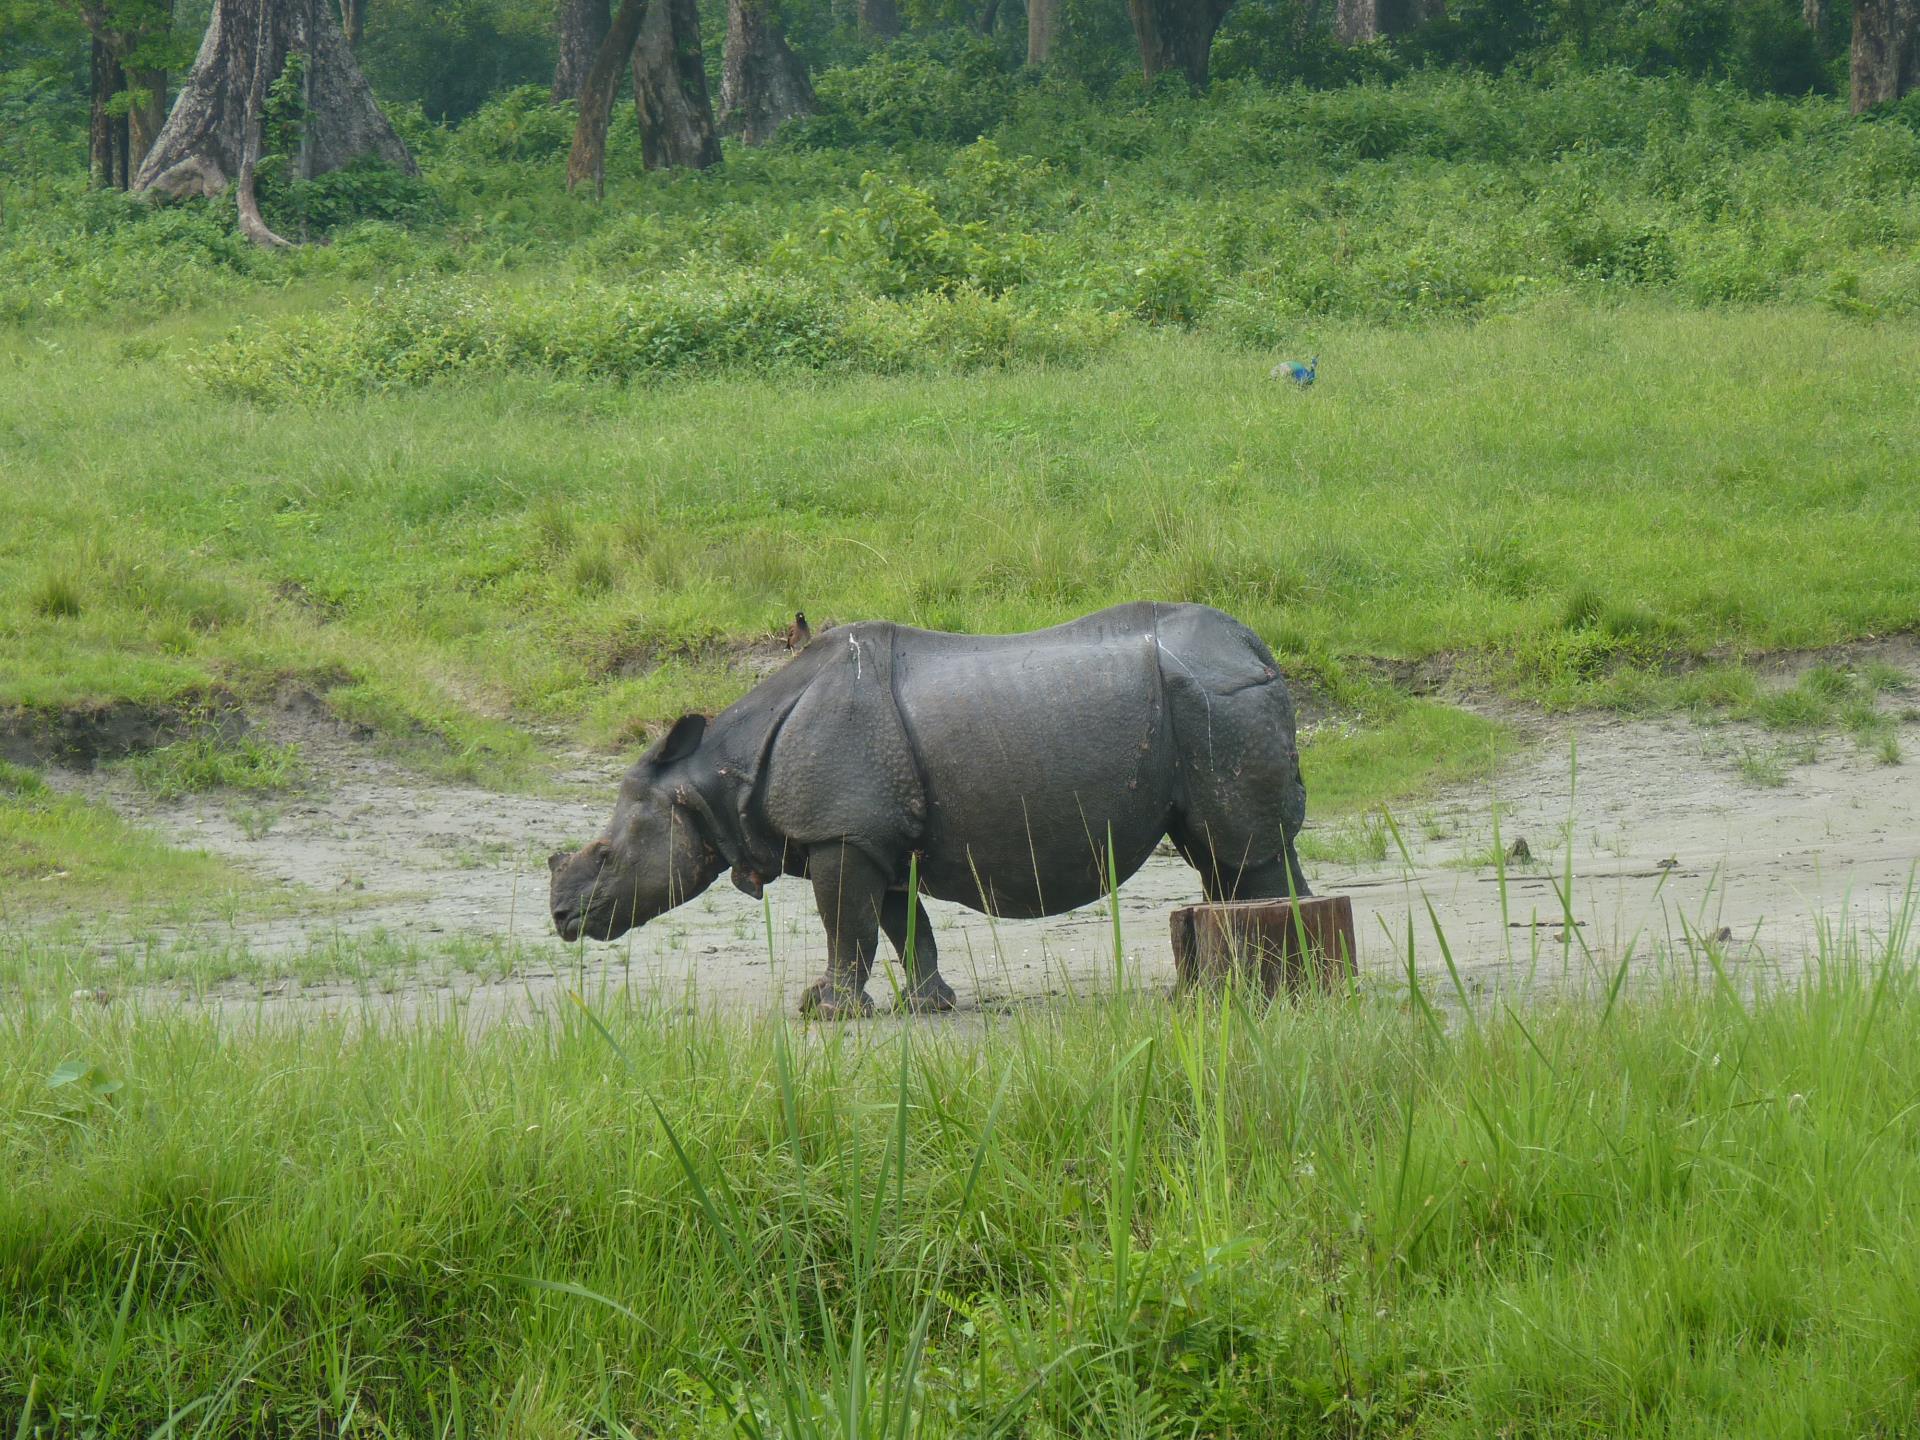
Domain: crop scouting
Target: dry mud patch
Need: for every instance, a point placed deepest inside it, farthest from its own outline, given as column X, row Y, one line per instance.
column 1667, row 841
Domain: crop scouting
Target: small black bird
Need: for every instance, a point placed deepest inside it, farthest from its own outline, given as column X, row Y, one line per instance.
column 799, row 634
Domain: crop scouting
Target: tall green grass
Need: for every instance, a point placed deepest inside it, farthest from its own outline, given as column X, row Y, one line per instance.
column 1689, row 1210
column 1552, row 496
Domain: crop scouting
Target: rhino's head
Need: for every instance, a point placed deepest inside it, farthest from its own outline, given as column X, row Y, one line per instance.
column 650, row 858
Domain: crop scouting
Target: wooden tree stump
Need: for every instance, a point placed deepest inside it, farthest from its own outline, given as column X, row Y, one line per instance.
column 1279, row 943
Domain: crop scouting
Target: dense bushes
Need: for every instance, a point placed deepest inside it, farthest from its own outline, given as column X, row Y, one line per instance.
column 686, row 323
column 950, row 89
column 1249, row 211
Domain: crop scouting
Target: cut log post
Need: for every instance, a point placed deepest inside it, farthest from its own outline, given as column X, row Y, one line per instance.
column 1290, row 944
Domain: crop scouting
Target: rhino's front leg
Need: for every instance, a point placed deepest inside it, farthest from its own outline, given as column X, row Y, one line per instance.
column 926, row 988
column 849, row 889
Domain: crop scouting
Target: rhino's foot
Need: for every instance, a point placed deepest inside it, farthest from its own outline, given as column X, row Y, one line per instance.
column 830, row 999
column 929, row 995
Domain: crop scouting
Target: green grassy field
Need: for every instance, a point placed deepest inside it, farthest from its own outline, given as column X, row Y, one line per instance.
column 1547, row 493
column 1615, row 398
column 1563, row 503
column 1684, row 1213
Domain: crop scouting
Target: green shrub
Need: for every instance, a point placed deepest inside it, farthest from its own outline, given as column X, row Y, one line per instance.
column 943, row 88
column 1174, row 286
column 896, row 243
column 367, row 189
column 687, row 322
column 518, row 124
column 1242, row 210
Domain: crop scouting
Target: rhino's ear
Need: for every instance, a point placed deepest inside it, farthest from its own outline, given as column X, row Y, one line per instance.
column 681, row 741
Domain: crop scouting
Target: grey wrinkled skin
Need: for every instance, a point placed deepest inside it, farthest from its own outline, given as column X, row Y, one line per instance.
column 1005, row 765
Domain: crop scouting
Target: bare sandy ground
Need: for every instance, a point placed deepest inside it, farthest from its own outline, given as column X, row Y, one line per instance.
column 1761, row 868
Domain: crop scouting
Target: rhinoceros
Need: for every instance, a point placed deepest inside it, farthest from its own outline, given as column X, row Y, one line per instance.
column 998, row 769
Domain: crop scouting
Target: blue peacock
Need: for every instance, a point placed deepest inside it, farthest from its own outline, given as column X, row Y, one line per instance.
column 1301, row 375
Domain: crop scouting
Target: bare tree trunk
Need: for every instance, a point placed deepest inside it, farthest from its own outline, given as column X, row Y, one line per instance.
column 353, row 21
column 118, row 143
column 251, row 225
column 583, row 24
column 762, row 83
column 207, row 135
column 670, row 90
column 1814, row 14
column 147, row 116
column 1176, row 35
column 1886, row 51
column 106, row 132
column 880, row 19
column 989, row 15
column 588, row 159
column 1043, row 28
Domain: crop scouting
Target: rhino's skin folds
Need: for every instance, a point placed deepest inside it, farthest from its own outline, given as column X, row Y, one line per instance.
column 1002, row 767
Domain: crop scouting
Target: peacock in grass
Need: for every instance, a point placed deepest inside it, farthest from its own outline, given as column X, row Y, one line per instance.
column 1301, row 375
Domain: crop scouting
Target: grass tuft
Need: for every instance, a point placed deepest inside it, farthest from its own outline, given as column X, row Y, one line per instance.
column 1357, row 840
column 1765, row 769
column 17, row 780
column 190, row 767
column 1885, row 679
column 56, row 597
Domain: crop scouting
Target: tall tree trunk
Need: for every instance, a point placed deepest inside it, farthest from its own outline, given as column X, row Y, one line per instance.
column 880, row 19
column 989, row 14
column 762, row 83
column 353, row 21
column 1176, row 35
column 670, row 90
column 251, row 224
column 1814, row 14
column 583, row 24
column 1886, row 51
column 1043, row 29
column 106, row 132
column 207, row 135
column 588, row 158
column 147, row 116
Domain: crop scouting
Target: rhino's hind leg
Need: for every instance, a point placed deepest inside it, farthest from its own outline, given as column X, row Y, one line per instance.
column 927, row 990
column 849, row 889
column 1278, row 878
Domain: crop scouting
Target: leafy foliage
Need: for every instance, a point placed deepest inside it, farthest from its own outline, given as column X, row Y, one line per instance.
column 948, row 88
column 687, row 323
column 1240, row 211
